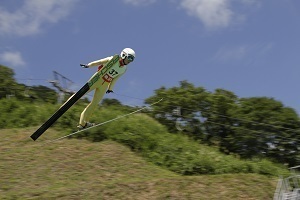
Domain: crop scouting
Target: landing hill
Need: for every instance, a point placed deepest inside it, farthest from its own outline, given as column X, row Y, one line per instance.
column 80, row 169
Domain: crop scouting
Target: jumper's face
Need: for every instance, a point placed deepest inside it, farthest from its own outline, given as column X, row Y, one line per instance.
column 128, row 59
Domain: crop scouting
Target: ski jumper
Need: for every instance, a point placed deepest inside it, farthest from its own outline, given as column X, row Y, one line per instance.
column 106, row 82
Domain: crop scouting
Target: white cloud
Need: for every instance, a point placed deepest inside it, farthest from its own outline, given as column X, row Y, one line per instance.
column 29, row 18
column 219, row 13
column 139, row 2
column 12, row 59
column 213, row 13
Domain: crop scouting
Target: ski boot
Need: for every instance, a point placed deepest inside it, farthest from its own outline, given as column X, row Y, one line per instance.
column 87, row 125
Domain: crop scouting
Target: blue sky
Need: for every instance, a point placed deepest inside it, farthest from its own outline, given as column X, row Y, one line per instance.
column 250, row 47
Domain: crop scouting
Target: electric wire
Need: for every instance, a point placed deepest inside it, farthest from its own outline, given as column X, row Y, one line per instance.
column 221, row 115
column 176, row 106
column 259, row 133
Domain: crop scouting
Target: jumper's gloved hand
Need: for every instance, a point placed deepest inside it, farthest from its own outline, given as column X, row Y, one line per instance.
column 84, row 66
column 109, row 91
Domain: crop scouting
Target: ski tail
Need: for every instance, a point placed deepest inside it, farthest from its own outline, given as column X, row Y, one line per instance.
column 60, row 112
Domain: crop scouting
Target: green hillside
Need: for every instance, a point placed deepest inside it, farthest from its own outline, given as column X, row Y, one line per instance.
column 228, row 148
column 79, row 169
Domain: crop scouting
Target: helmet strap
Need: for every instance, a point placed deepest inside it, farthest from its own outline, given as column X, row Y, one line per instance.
column 122, row 63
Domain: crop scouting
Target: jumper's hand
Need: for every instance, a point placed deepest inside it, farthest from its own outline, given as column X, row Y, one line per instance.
column 84, row 66
column 109, row 91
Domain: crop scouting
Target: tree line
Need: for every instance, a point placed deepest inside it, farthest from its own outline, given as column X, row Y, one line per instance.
column 255, row 127
column 252, row 127
column 9, row 87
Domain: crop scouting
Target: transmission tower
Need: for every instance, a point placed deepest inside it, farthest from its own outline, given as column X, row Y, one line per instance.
column 63, row 84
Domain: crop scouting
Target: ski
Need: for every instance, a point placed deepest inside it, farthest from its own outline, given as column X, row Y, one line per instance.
column 74, row 98
column 100, row 124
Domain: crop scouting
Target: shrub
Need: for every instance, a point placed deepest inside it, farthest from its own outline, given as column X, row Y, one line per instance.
column 175, row 152
column 142, row 134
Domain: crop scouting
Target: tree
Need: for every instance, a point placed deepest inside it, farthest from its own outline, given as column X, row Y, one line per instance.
column 44, row 94
column 111, row 102
column 249, row 127
column 9, row 86
column 7, row 81
column 264, row 127
column 187, row 99
column 219, row 121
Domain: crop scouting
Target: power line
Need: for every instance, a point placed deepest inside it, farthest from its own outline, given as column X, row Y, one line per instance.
column 183, row 108
column 260, row 133
column 31, row 79
column 221, row 115
column 244, row 120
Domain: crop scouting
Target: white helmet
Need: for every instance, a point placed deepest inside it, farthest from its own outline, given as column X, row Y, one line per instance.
column 128, row 53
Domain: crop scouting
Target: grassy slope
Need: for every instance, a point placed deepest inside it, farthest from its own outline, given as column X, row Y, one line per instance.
column 78, row 169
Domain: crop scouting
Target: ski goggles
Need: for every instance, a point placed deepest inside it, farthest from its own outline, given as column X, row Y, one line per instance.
column 130, row 58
